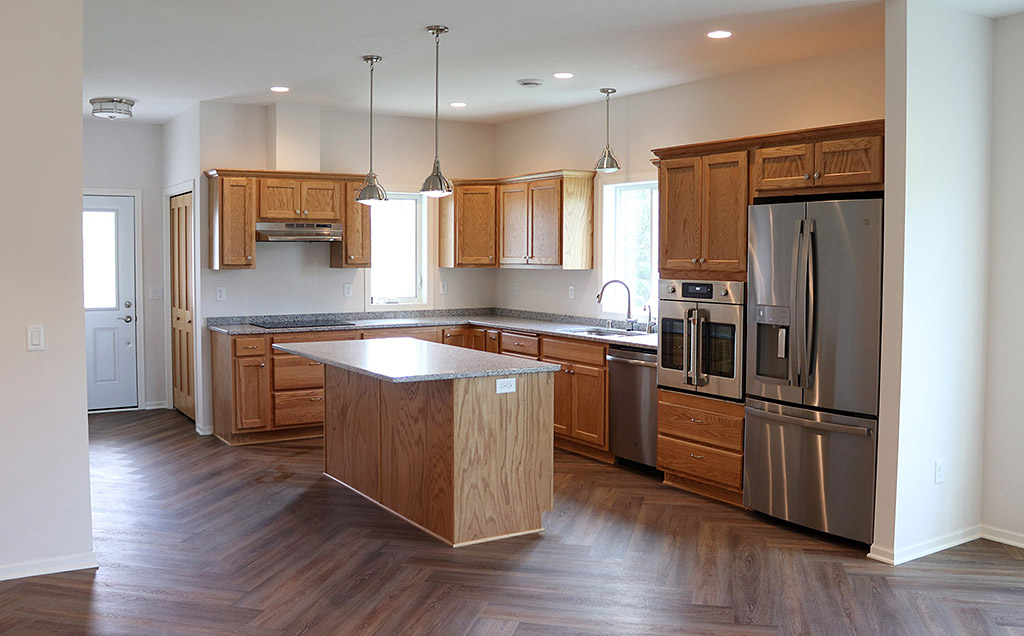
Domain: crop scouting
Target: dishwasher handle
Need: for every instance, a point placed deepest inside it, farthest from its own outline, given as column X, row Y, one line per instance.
column 635, row 363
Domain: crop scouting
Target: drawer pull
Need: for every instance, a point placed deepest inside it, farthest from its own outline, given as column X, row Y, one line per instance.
column 250, row 346
column 696, row 421
column 696, row 456
column 316, row 399
column 315, row 364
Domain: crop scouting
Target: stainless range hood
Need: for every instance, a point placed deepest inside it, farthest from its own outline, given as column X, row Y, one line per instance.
column 298, row 232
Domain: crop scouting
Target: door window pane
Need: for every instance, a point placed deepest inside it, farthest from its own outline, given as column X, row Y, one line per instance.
column 99, row 232
column 396, row 253
column 630, row 224
column 719, row 355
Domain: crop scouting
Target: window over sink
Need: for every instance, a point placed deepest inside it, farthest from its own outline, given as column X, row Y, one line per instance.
column 630, row 230
column 397, row 243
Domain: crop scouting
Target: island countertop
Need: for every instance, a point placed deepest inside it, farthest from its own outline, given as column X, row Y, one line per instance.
column 412, row 360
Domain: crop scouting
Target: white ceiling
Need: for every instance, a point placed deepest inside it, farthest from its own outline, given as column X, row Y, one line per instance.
column 170, row 55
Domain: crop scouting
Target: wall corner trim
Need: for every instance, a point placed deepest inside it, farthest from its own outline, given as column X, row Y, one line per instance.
column 66, row 563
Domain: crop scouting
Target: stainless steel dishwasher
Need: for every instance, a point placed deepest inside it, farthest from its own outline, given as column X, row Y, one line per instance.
column 633, row 404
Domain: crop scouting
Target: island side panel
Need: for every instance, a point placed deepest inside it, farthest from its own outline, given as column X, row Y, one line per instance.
column 416, row 453
column 503, row 457
column 352, row 430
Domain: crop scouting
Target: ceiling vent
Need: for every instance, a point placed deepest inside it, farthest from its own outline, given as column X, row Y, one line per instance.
column 529, row 82
column 111, row 107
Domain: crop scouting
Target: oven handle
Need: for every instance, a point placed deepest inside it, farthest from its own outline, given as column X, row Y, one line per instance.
column 700, row 378
column 691, row 374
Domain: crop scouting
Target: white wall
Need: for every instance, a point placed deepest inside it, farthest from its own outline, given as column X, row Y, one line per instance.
column 945, row 247
column 129, row 156
column 45, row 525
column 1002, row 512
column 842, row 87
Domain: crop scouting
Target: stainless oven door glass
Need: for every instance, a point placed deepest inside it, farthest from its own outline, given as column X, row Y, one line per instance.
column 720, row 342
column 675, row 359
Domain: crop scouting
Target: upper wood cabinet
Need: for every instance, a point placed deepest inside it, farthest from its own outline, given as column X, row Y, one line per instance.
column 547, row 220
column 468, row 227
column 300, row 200
column 232, row 222
column 354, row 249
column 828, row 163
column 515, row 223
column 703, row 215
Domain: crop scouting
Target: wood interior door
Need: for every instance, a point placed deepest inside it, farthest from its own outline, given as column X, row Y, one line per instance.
column 724, row 212
column 546, row 222
column 843, row 162
column 280, row 199
column 475, row 220
column 515, row 224
column 588, row 422
column 321, row 200
column 679, row 222
column 784, row 167
column 182, row 306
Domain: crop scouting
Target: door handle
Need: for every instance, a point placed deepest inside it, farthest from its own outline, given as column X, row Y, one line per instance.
column 125, row 318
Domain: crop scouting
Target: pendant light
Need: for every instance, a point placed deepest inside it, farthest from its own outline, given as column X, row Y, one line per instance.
column 436, row 185
column 607, row 161
column 371, row 190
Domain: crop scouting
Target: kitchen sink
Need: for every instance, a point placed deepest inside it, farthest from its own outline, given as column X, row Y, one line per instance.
column 600, row 331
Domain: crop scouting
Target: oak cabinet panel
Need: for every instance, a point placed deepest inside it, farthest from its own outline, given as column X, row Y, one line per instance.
column 589, row 386
column 468, row 227
column 784, row 167
column 852, row 161
column 545, row 222
column 296, row 408
column 321, row 200
column 420, row 333
column 295, row 372
column 354, row 249
column 493, row 341
column 680, row 214
column 581, row 390
column 280, row 199
column 563, row 401
column 515, row 224
column 232, row 222
column 520, row 344
column 456, row 336
column 252, row 391
column 477, row 338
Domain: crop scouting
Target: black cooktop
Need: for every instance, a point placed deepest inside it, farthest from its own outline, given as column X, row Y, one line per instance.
column 301, row 325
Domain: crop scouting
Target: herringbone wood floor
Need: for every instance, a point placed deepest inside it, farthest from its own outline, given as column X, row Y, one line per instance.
column 194, row 537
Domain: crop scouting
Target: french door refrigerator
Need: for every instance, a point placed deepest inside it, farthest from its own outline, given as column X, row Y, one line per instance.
column 814, row 278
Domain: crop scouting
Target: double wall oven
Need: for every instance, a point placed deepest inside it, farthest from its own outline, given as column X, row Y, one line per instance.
column 700, row 347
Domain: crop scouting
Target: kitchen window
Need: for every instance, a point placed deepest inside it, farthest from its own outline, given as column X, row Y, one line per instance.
column 630, row 230
column 397, row 249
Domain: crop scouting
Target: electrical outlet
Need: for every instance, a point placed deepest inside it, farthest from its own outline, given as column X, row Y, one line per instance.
column 348, row 290
column 222, row 293
column 572, row 292
column 940, row 471
column 156, row 293
column 34, row 340
column 515, row 289
column 506, row 385
column 444, row 288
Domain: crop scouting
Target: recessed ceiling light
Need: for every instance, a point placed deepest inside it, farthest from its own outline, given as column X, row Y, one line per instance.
column 458, row 104
column 719, row 35
column 280, row 89
column 563, row 76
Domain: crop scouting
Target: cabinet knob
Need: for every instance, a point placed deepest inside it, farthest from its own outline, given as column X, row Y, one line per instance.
column 447, row 335
column 305, row 213
column 351, row 257
column 571, row 372
column 816, row 175
column 490, row 258
column 694, row 261
column 298, row 213
column 702, row 261
column 696, row 421
column 263, row 364
column 696, row 456
column 807, row 176
column 248, row 258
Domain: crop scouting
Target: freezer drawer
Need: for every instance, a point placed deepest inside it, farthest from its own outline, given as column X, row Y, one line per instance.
column 811, row 468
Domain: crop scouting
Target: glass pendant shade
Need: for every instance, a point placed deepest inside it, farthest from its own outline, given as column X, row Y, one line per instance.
column 607, row 161
column 371, row 190
column 436, row 185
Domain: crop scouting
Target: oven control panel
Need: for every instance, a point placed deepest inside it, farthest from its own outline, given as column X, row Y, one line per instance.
column 727, row 292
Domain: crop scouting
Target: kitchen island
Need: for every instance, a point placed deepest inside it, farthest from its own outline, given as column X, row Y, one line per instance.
column 455, row 441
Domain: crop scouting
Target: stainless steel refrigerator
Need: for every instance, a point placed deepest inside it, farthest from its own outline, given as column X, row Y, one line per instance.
column 814, row 281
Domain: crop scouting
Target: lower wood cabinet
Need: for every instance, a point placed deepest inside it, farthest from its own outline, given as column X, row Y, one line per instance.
column 430, row 334
column 456, row 336
column 700, row 445
column 581, row 389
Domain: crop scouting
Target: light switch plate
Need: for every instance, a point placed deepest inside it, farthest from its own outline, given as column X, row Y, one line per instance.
column 348, row 290
column 156, row 293
column 506, row 385
column 444, row 287
column 572, row 292
column 940, row 471
column 221, row 293
column 515, row 289
column 34, row 338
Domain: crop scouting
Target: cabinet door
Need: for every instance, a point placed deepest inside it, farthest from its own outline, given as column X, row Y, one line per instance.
column 724, row 206
column 679, row 214
column 563, row 401
column 478, row 339
column 848, row 161
column 589, row 424
column 545, row 222
column 515, row 225
column 320, row 200
column 252, row 394
column 238, row 221
column 493, row 341
column 476, row 213
column 784, row 167
column 280, row 199
column 455, row 336
column 357, row 229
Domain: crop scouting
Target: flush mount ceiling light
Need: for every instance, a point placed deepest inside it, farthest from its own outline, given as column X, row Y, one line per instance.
column 458, row 104
column 111, row 107
column 719, row 35
column 436, row 185
column 607, row 161
column 563, row 75
column 280, row 89
column 371, row 190
column 529, row 82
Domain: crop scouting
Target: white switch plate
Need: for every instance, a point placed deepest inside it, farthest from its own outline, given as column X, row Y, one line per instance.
column 572, row 292
column 34, row 340
column 156, row 293
column 348, row 290
column 940, row 471
column 515, row 289
column 221, row 293
column 506, row 385
column 444, row 287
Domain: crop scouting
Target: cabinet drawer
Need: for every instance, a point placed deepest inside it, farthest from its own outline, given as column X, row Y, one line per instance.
column 700, row 462
column 295, row 372
column 697, row 425
column 294, row 408
column 250, row 346
column 313, row 336
column 520, row 344
column 574, row 351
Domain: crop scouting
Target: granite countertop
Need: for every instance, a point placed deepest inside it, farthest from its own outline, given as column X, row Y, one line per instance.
column 565, row 329
column 411, row 360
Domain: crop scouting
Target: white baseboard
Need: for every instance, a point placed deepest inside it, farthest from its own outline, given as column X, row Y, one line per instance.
column 148, row 406
column 67, row 563
column 924, row 548
column 1001, row 535
column 203, row 430
column 885, row 555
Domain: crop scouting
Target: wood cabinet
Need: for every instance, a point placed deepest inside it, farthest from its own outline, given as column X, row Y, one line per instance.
column 251, row 382
column 547, row 220
column 703, row 215
column 581, row 388
column 456, row 336
column 232, row 222
column 354, row 249
column 429, row 334
column 468, row 227
column 827, row 163
column 520, row 344
column 700, row 445
column 483, row 339
column 301, row 200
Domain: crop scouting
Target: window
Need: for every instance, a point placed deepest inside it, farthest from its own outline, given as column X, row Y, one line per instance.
column 630, row 254
column 99, row 232
column 397, row 250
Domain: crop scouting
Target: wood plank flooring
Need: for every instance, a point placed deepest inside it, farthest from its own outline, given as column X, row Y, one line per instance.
column 194, row 537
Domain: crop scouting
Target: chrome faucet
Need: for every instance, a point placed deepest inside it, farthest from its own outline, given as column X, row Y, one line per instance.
column 630, row 321
column 650, row 321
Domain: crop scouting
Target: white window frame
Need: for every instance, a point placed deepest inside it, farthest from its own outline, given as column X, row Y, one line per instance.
column 609, row 198
column 420, row 300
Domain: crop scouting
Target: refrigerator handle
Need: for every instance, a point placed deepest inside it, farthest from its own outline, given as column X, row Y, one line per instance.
column 809, row 322
column 796, row 337
column 863, row 431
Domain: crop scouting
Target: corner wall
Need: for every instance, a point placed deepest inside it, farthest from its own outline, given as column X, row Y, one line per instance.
column 45, row 525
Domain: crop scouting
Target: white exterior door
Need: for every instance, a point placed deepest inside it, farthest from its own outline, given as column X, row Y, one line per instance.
column 108, row 231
